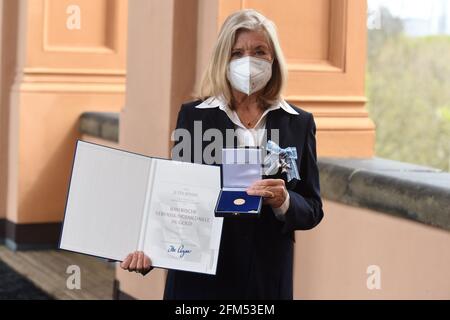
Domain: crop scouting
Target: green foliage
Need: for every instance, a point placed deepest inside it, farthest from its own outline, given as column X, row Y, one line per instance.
column 444, row 113
column 408, row 87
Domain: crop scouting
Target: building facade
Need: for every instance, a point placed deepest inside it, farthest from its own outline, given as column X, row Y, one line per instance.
column 140, row 60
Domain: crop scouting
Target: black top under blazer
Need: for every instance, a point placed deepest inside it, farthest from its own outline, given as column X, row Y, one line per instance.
column 256, row 254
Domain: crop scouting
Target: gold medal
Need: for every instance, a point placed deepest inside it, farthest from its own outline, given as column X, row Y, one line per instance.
column 239, row 201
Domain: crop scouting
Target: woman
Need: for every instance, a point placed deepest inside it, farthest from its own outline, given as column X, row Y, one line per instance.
column 241, row 90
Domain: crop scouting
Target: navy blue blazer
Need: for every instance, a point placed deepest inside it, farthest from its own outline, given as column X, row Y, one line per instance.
column 256, row 254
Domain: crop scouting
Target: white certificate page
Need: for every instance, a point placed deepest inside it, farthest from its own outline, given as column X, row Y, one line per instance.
column 181, row 229
column 119, row 202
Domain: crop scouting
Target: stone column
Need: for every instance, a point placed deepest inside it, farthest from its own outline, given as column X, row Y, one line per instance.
column 161, row 73
column 69, row 58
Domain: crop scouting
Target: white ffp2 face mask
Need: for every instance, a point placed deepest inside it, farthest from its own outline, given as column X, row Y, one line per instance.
column 249, row 74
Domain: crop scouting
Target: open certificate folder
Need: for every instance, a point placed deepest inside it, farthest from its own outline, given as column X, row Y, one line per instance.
column 119, row 202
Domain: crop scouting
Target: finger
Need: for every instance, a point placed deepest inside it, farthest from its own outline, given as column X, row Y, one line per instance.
column 147, row 262
column 279, row 194
column 278, row 199
column 125, row 263
column 147, row 265
column 276, row 190
column 133, row 263
column 260, row 192
column 258, row 187
column 268, row 182
column 255, row 192
column 140, row 261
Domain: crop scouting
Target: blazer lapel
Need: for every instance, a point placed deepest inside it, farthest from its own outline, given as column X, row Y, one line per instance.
column 277, row 119
column 273, row 121
column 222, row 122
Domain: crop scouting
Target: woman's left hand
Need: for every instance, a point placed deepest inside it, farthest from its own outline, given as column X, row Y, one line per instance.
column 272, row 190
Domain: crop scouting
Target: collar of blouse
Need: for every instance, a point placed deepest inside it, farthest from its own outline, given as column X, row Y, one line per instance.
column 218, row 102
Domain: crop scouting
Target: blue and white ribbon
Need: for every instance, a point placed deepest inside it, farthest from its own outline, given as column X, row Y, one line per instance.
column 278, row 157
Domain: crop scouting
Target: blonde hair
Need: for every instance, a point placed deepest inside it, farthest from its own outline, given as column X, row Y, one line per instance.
column 215, row 82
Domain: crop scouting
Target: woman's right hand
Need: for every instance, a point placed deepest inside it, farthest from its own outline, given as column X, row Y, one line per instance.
column 138, row 262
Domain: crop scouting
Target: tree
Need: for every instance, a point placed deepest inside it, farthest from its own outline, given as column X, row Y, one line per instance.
column 408, row 81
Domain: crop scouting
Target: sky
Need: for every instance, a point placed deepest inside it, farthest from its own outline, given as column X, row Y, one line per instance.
column 422, row 9
column 421, row 17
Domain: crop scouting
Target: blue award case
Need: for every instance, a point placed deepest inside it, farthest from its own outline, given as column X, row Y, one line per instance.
column 240, row 168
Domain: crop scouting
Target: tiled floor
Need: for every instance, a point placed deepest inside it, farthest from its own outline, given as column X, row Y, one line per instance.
column 47, row 269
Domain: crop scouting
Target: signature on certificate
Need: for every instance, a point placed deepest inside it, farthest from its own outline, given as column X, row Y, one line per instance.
column 180, row 250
